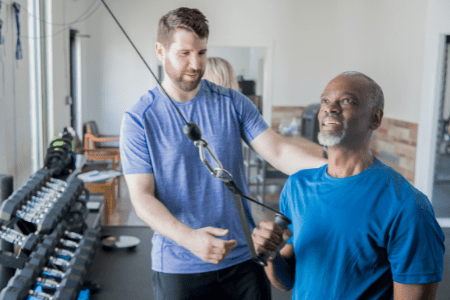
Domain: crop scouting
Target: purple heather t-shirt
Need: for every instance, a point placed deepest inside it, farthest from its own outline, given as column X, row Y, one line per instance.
column 152, row 141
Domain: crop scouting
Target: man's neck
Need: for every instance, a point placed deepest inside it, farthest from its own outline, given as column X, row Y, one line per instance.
column 178, row 94
column 344, row 162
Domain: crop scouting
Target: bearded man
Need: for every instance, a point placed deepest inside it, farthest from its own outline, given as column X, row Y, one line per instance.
column 360, row 230
column 199, row 248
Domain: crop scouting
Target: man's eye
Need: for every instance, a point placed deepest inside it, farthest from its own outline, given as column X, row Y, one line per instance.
column 346, row 100
column 324, row 101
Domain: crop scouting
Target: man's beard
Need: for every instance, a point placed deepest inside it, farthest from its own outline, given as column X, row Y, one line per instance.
column 177, row 78
column 330, row 140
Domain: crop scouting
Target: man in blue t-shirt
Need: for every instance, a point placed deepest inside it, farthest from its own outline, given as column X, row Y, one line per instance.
column 199, row 248
column 359, row 229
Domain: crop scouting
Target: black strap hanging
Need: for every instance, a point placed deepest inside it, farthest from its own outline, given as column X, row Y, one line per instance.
column 193, row 132
column 1, row 25
column 19, row 46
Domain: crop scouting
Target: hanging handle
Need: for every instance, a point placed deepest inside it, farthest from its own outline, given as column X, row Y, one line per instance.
column 283, row 222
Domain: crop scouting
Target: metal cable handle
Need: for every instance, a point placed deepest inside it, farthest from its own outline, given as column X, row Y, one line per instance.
column 219, row 172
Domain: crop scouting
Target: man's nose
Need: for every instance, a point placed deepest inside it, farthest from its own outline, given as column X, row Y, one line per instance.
column 194, row 62
column 333, row 107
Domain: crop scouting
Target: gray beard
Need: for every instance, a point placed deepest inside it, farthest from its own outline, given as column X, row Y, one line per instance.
column 330, row 140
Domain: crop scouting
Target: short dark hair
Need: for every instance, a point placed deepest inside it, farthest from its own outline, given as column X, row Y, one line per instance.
column 375, row 93
column 186, row 18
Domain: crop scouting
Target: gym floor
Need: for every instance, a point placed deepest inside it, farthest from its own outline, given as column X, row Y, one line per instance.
column 125, row 215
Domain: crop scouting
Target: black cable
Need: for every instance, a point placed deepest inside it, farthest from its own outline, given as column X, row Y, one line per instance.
column 259, row 203
column 148, row 67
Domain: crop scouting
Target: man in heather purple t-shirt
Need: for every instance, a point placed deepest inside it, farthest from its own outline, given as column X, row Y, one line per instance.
column 199, row 250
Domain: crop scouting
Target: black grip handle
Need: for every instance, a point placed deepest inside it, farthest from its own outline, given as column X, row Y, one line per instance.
column 283, row 222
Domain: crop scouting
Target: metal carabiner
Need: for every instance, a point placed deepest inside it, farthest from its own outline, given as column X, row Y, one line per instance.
column 215, row 172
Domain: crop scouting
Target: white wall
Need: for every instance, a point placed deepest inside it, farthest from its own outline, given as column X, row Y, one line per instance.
column 15, row 118
column 394, row 42
column 385, row 40
column 117, row 78
column 15, row 133
column 313, row 42
column 67, row 14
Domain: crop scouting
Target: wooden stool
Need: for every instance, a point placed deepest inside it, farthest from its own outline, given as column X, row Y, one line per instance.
column 108, row 189
column 113, row 156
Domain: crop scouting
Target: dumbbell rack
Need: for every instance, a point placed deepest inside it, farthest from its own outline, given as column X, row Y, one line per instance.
column 54, row 247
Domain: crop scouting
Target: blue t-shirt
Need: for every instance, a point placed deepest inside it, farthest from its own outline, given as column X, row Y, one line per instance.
column 353, row 236
column 152, row 141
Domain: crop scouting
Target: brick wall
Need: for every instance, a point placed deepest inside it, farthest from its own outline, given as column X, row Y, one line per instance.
column 284, row 112
column 394, row 143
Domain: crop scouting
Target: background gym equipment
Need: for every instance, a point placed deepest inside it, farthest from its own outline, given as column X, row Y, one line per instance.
column 49, row 248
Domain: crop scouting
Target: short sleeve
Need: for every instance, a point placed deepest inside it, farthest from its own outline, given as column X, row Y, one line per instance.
column 134, row 150
column 251, row 121
column 416, row 243
column 284, row 208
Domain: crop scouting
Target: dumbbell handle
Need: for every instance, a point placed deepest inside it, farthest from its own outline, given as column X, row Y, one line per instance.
column 42, row 296
column 283, row 222
column 53, row 273
column 48, row 283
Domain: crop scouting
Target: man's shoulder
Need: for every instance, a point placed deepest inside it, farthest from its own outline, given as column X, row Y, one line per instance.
column 403, row 188
column 145, row 102
column 216, row 90
column 219, row 92
column 308, row 174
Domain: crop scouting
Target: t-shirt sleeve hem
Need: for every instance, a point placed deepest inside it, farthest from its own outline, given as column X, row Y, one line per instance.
column 137, row 171
column 418, row 278
column 257, row 132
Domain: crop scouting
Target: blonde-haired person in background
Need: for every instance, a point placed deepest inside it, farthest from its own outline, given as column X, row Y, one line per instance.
column 220, row 71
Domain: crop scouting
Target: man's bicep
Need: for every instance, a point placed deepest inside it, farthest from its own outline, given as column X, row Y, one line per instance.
column 415, row 291
column 140, row 184
column 266, row 144
column 134, row 148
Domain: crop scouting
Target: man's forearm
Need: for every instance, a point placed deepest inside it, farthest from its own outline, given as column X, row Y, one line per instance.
column 280, row 273
column 283, row 155
column 159, row 218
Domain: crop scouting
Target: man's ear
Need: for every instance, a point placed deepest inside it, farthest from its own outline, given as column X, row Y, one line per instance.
column 159, row 51
column 377, row 117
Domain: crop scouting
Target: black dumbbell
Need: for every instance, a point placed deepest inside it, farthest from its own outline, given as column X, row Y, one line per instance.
column 49, row 221
column 18, row 287
column 30, row 243
column 11, row 206
column 64, row 293
column 40, row 256
column 44, row 172
column 14, row 293
column 78, row 271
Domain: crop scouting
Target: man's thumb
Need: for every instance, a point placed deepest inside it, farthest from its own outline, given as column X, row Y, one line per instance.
column 216, row 231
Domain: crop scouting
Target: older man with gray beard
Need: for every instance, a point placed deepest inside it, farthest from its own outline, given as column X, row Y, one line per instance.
column 359, row 229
